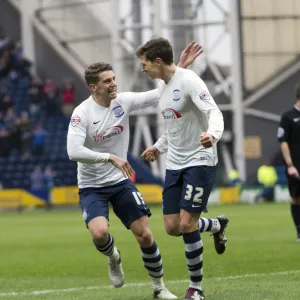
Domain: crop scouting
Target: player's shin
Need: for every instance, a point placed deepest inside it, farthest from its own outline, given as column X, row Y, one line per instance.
column 108, row 249
column 153, row 264
column 193, row 253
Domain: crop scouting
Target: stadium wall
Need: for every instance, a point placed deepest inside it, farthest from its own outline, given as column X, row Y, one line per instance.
column 68, row 196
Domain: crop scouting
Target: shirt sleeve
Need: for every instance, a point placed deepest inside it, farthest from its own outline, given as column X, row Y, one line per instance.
column 283, row 130
column 78, row 123
column 200, row 95
column 76, row 139
column 162, row 143
column 77, row 151
column 136, row 101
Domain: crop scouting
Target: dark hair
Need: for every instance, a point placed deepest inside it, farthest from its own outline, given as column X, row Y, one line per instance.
column 156, row 47
column 298, row 91
column 91, row 74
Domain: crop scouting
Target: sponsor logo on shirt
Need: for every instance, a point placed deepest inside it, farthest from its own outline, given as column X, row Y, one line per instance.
column 118, row 111
column 107, row 133
column 171, row 114
column 176, row 95
column 204, row 96
column 75, row 120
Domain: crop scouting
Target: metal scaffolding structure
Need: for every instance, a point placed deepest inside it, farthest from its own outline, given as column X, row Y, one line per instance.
column 128, row 23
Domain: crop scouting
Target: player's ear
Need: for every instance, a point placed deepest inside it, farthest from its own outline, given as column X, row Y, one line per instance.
column 158, row 61
column 92, row 87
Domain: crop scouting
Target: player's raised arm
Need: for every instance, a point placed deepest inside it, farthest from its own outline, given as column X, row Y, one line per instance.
column 189, row 54
column 200, row 95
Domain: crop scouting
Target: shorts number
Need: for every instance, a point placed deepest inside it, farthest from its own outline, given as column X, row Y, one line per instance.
column 138, row 198
column 197, row 196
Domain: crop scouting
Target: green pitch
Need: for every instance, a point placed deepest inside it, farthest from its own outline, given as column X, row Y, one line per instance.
column 49, row 255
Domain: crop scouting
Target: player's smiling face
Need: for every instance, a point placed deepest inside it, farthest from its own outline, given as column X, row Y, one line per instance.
column 106, row 87
column 151, row 68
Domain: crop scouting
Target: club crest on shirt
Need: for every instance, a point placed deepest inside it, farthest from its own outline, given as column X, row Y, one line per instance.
column 118, row 111
column 176, row 95
column 170, row 114
column 204, row 96
column 75, row 120
column 107, row 133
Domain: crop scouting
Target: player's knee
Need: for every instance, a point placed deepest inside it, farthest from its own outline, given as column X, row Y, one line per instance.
column 172, row 226
column 186, row 226
column 145, row 238
column 100, row 235
column 172, row 230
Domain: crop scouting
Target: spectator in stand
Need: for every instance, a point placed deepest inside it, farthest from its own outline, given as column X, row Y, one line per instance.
column 11, row 124
column 51, row 97
column 49, row 175
column 4, row 149
column 37, row 179
column 26, row 134
column 5, row 103
column 35, row 93
column 38, row 138
column 68, row 97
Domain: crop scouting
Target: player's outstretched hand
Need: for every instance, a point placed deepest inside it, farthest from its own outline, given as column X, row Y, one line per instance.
column 206, row 140
column 150, row 154
column 292, row 171
column 122, row 164
column 189, row 54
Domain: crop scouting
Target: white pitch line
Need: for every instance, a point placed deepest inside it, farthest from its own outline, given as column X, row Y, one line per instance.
column 135, row 284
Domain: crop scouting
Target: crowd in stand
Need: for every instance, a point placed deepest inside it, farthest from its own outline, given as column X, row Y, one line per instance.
column 21, row 130
column 18, row 133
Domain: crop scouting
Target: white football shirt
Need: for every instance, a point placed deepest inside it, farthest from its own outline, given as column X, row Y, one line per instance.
column 103, row 131
column 188, row 110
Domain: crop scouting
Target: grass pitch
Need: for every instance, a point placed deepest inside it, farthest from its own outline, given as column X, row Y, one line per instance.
column 49, row 255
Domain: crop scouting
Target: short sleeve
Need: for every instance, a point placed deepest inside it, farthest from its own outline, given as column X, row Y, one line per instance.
column 283, row 130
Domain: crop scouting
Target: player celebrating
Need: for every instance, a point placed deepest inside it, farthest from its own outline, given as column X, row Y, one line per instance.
column 193, row 126
column 98, row 139
column 289, row 138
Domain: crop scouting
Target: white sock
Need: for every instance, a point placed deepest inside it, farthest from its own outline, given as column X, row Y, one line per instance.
column 157, row 283
column 115, row 256
column 210, row 225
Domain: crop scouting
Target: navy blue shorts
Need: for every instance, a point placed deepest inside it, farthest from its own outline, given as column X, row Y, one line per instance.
column 188, row 189
column 126, row 201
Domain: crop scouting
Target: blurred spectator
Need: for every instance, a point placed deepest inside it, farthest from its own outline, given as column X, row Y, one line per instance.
column 37, row 179
column 36, row 98
column 38, row 140
column 4, row 149
column 11, row 124
column 26, row 134
column 267, row 177
column 5, row 64
column 5, row 103
column 51, row 97
column 68, row 97
column 49, row 175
